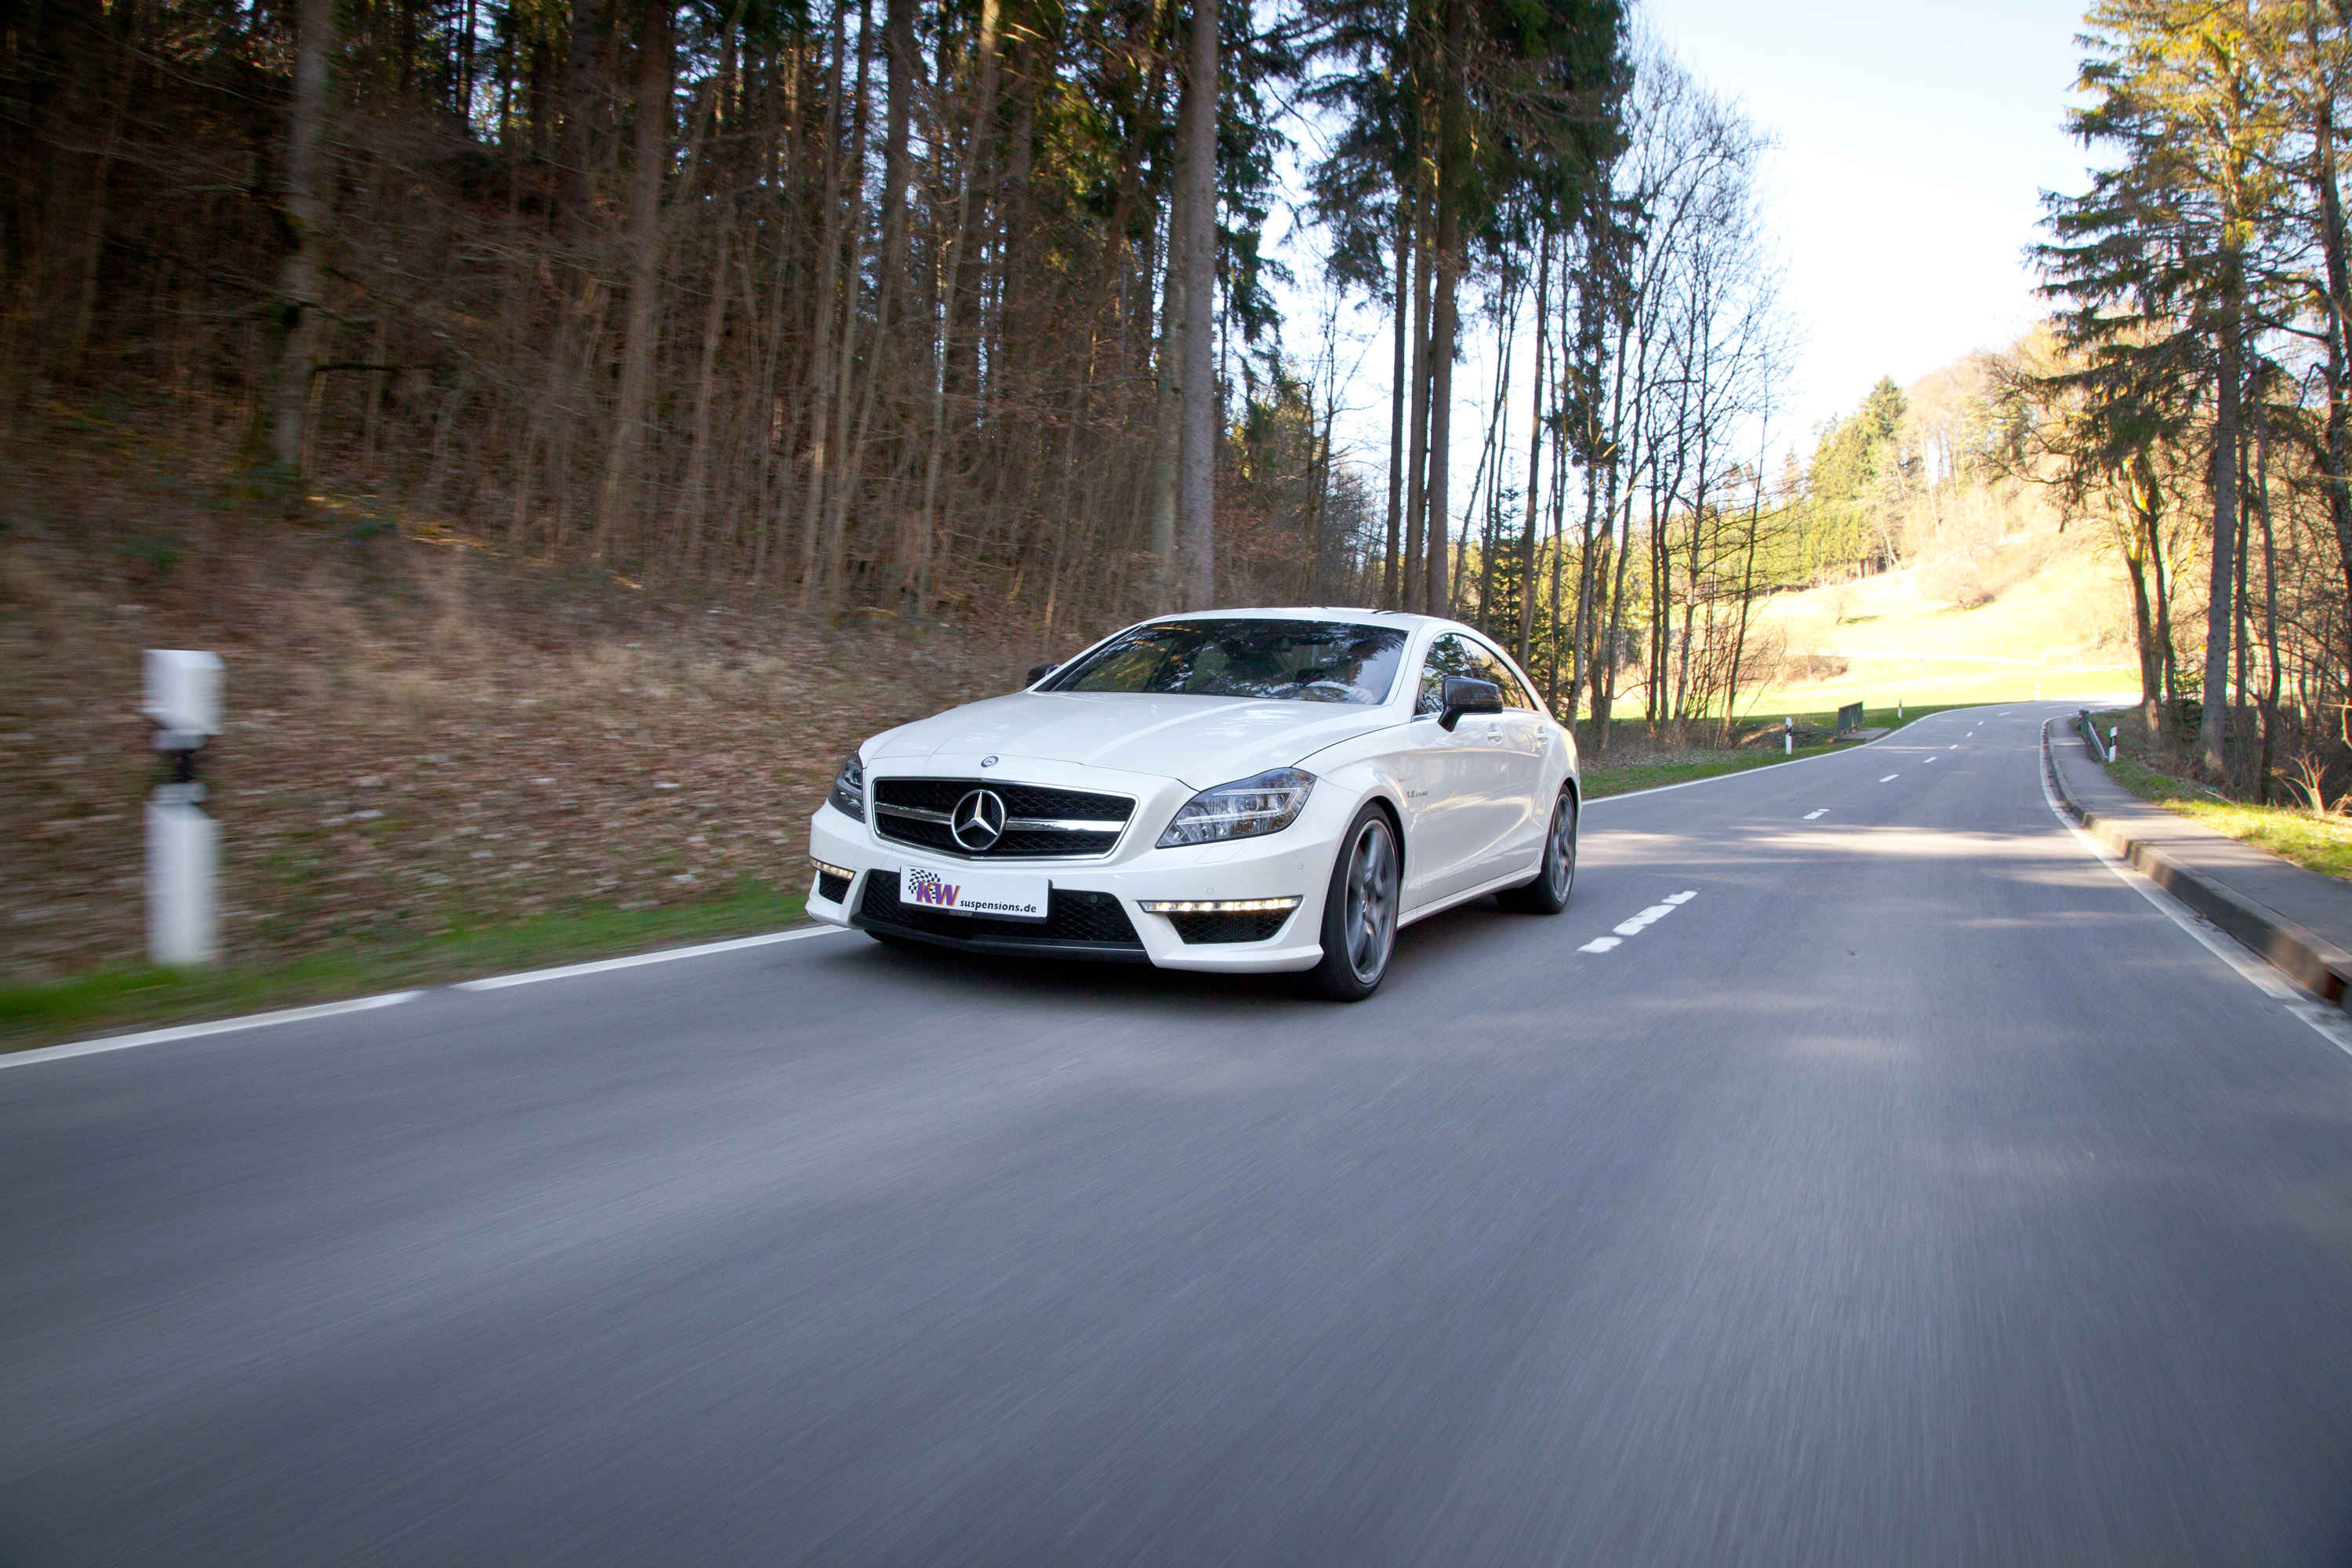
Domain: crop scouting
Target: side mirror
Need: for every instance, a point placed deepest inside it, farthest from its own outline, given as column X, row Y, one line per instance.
column 1466, row 695
column 1039, row 672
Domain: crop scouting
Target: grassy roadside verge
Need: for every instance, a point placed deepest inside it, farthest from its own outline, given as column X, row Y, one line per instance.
column 105, row 1001
column 1681, row 767
column 2322, row 844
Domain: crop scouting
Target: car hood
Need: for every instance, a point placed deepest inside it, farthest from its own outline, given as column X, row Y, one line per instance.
column 1201, row 740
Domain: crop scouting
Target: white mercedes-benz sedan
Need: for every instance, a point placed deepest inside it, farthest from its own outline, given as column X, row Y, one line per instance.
column 1238, row 790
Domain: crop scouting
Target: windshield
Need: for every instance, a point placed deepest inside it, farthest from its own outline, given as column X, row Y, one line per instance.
column 1303, row 661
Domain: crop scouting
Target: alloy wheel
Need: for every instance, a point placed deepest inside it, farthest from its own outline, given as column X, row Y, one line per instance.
column 1559, row 861
column 1370, row 926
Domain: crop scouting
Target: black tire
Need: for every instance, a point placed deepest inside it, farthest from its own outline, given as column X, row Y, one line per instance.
column 1359, row 910
column 1556, row 879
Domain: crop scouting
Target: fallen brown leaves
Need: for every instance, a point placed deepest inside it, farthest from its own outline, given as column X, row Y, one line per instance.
column 421, row 735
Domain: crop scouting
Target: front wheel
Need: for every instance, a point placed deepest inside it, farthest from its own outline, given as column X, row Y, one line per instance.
column 1556, row 878
column 1359, row 911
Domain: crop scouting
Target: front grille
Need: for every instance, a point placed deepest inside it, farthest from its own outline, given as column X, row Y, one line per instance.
column 896, row 799
column 829, row 885
column 1073, row 919
column 1252, row 925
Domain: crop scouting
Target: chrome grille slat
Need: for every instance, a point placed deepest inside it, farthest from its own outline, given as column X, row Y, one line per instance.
column 1053, row 822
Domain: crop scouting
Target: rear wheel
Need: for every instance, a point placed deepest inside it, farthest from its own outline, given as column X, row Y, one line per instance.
column 1359, row 911
column 1556, row 878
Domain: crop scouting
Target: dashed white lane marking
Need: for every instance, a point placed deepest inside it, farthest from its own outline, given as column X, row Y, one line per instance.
column 1811, row 814
column 1953, row 747
column 194, row 1031
column 2325, row 1018
column 1890, row 778
column 1641, row 923
column 1935, row 759
column 499, row 982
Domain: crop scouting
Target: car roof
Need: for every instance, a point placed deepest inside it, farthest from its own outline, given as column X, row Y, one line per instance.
column 1350, row 613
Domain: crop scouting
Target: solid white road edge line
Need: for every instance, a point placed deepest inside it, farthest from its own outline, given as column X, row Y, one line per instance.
column 1751, row 773
column 192, row 1031
column 500, row 981
column 2330, row 1022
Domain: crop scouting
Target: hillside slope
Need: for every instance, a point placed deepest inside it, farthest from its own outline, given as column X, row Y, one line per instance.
column 2045, row 610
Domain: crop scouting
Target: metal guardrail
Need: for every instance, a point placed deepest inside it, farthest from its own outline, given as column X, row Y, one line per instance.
column 2103, row 750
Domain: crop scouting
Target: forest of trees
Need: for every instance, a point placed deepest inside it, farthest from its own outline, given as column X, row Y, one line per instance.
column 902, row 305
column 952, row 308
column 2196, row 394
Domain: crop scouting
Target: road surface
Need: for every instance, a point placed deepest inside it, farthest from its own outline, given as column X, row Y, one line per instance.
column 1915, row 1192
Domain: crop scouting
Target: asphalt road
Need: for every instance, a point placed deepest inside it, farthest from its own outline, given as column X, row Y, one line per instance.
column 1914, row 1193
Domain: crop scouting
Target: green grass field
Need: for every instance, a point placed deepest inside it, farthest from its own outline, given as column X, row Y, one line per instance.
column 1601, row 779
column 114, row 999
column 2322, row 844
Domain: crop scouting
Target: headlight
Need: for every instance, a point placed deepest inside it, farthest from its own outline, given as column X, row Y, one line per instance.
column 849, row 788
column 1243, row 810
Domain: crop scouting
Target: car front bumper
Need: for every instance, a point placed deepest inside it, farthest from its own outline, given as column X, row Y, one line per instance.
column 1293, row 863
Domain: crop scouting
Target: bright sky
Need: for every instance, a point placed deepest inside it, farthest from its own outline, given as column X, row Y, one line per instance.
column 1915, row 140
column 1914, row 143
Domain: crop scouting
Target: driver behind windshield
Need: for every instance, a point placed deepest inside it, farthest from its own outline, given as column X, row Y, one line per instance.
column 1301, row 661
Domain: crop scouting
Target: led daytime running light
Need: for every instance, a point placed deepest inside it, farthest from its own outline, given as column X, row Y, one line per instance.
column 841, row 871
column 1216, row 906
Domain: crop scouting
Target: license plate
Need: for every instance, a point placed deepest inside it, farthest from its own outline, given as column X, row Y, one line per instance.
column 963, row 892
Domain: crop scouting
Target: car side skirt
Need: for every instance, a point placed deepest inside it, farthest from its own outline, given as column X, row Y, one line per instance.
column 1452, row 900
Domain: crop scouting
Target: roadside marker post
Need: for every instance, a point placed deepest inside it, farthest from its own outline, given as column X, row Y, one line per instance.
column 1788, row 735
column 184, row 690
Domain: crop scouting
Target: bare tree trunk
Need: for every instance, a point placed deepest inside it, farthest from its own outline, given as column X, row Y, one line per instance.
column 624, row 459
column 696, row 491
column 2270, row 607
column 983, row 115
column 1605, row 666
column 1167, row 426
column 2151, row 669
column 304, row 210
column 1535, row 450
column 902, row 65
column 1413, row 577
column 1197, row 169
column 2213, row 733
column 2335, row 446
column 116, row 66
column 1453, row 137
column 574, row 198
column 1389, row 585
column 822, row 362
column 1443, row 330
column 836, row 519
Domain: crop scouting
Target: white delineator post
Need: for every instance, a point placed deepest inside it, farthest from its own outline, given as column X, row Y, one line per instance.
column 184, row 690
column 1788, row 736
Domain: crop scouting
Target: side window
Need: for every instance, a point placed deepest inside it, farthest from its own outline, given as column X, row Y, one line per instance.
column 1491, row 667
column 1449, row 655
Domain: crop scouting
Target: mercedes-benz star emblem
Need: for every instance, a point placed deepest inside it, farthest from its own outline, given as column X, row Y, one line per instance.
column 988, row 762
column 979, row 820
